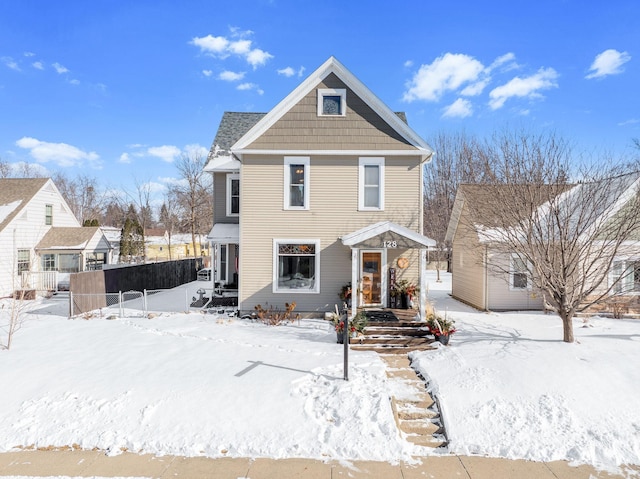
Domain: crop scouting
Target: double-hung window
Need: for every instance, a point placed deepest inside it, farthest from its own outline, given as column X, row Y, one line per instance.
column 49, row 262
column 48, row 215
column 519, row 274
column 625, row 276
column 371, row 184
column 24, row 260
column 296, row 266
column 233, row 194
column 296, row 183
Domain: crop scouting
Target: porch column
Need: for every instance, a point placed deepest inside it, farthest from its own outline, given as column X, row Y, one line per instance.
column 355, row 283
column 423, row 284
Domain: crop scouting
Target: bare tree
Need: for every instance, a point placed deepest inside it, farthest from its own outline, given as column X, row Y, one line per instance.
column 458, row 160
column 83, row 195
column 564, row 223
column 194, row 195
column 168, row 217
column 139, row 210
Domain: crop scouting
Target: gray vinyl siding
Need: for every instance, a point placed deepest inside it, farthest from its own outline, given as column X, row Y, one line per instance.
column 333, row 212
column 220, row 200
column 302, row 129
column 503, row 298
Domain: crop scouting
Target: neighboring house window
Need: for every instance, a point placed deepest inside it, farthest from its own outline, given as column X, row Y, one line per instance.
column 233, row 194
column 519, row 274
column 625, row 276
column 296, row 266
column 296, row 183
column 95, row 261
column 69, row 263
column 49, row 262
column 371, row 184
column 24, row 260
column 48, row 215
column 332, row 102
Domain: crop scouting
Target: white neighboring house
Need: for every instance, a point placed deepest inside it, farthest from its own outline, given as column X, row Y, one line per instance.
column 41, row 241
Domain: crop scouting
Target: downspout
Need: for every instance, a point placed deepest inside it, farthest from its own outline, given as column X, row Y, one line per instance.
column 486, row 278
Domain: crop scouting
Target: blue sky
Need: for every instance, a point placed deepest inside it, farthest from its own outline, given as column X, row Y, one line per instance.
column 118, row 90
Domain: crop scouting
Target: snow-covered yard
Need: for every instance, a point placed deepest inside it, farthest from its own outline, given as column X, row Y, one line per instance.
column 194, row 384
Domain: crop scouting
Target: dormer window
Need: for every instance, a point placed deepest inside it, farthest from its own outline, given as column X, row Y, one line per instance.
column 332, row 101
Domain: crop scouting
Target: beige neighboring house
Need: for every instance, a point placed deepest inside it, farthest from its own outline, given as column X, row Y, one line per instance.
column 323, row 190
column 41, row 241
column 472, row 282
column 488, row 278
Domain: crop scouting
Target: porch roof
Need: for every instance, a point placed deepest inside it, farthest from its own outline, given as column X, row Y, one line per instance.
column 375, row 236
column 224, row 233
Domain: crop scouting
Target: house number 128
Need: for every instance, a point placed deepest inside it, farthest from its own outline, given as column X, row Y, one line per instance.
column 389, row 244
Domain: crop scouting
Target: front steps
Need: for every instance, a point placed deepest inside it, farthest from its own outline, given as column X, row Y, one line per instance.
column 416, row 413
column 393, row 337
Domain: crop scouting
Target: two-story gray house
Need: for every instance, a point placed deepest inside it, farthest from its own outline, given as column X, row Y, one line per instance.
column 325, row 189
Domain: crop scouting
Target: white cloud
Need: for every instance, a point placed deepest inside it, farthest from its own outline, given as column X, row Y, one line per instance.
column 29, row 54
column 288, row 72
column 461, row 108
column 38, row 65
column 223, row 47
column 195, row 150
column 124, row 158
column 528, row 87
column 250, row 86
column 59, row 68
column 62, row 154
column 408, row 64
column 609, row 62
column 631, row 121
column 207, row 73
column 231, row 76
column 10, row 63
column 74, row 82
column 476, row 88
column 446, row 73
column 166, row 153
column 507, row 58
column 258, row 57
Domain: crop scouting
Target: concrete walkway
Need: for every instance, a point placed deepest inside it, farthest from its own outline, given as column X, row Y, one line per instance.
column 96, row 464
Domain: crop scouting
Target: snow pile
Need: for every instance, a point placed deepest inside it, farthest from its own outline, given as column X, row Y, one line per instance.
column 195, row 384
column 511, row 388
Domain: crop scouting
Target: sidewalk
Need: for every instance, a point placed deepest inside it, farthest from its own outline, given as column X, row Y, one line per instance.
column 97, row 464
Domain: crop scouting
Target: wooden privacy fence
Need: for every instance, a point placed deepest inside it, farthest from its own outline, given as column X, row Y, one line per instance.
column 92, row 290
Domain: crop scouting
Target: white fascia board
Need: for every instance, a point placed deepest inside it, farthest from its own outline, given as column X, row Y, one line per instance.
column 422, row 153
column 332, row 65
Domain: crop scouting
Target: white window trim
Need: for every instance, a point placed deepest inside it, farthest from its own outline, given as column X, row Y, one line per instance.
column 341, row 92
column 626, row 260
column 368, row 161
column 316, row 285
column 230, row 178
column 512, row 272
column 296, row 160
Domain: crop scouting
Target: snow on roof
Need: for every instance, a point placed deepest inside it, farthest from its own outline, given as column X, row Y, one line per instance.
column 6, row 210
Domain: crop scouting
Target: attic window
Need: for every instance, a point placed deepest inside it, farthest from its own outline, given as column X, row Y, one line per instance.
column 332, row 101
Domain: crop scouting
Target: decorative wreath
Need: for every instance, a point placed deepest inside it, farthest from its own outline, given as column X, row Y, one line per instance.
column 403, row 263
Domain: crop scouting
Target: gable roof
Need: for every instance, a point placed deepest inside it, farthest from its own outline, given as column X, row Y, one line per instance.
column 333, row 66
column 384, row 229
column 70, row 237
column 618, row 191
column 15, row 194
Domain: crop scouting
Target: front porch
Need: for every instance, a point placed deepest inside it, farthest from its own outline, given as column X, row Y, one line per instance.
column 393, row 331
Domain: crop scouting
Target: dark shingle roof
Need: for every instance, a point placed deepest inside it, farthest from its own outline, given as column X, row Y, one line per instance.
column 14, row 190
column 233, row 126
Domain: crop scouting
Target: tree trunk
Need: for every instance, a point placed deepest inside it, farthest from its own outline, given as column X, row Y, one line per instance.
column 567, row 326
